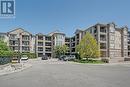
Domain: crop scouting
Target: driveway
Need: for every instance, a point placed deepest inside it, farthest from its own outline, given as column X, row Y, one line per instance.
column 53, row 73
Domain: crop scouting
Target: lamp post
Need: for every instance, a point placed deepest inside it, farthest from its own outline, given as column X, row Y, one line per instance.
column 78, row 55
column 18, row 38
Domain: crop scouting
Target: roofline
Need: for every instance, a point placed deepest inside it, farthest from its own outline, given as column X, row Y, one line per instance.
column 19, row 28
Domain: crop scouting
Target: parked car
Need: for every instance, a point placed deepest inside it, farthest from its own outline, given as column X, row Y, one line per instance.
column 62, row 57
column 24, row 57
column 14, row 60
column 71, row 57
column 67, row 58
column 44, row 57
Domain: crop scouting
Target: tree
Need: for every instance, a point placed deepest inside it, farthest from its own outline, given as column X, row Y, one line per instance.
column 88, row 47
column 64, row 49
column 57, row 51
column 60, row 50
column 4, row 49
column 5, row 53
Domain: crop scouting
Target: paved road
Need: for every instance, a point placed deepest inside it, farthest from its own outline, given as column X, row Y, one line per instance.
column 64, row 74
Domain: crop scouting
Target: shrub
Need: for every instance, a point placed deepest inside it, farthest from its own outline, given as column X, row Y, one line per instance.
column 5, row 53
column 31, row 55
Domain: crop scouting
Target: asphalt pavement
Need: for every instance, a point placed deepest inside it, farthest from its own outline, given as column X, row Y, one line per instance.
column 53, row 73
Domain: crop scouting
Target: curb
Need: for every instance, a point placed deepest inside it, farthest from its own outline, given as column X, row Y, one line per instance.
column 107, row 64
column 15, row 71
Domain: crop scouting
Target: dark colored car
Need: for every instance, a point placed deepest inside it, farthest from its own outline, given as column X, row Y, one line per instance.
column 62, row 57
column 44, row 57
column 67, row 58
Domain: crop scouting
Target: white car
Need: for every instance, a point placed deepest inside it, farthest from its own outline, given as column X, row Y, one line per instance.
column 24, row 57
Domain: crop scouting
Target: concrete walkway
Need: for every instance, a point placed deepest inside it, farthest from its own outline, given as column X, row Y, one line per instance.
column 12, row 68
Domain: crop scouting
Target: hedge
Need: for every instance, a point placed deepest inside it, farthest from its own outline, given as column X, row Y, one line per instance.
column 5, row 60
column 30, row 55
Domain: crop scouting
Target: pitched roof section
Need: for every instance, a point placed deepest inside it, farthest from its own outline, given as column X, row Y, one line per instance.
column 55, row 32
column 20, row 29
column 78, row 30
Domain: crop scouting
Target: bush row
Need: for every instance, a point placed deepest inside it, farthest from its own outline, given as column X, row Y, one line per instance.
column 5, row 60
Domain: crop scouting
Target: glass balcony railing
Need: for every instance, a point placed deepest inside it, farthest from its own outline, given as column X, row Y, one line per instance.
column 102, row 39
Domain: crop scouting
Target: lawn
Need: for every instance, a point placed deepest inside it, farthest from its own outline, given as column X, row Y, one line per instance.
column 91, row 61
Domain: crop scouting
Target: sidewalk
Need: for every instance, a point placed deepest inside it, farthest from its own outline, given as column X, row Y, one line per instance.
column 107, row 64
column 11, row 68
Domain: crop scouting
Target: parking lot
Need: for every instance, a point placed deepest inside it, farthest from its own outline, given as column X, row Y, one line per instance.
column 53, row 73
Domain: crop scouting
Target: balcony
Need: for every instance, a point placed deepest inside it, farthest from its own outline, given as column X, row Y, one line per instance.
column 67, row 39
column 13, row 43
column 73, row 45
column 40, row 48
column 25, row 43
column 48, row 38
column 40, row 43
column 128, row 47
column 25, row 49
column 103, row 53
column 103, row 29
column 68, row 45
column 73, row 50
column 25, row 37
column 14, row 48
column 102, row 37
column 102, row 45
column 48, row 49
column 13, row 38
column 40, row 37
column 73, row 39
column 128, row 41
column 77, row 36
column 95, row 30
column 47, row 43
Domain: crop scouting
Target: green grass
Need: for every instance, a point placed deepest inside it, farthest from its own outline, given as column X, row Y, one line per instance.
column 90, row 61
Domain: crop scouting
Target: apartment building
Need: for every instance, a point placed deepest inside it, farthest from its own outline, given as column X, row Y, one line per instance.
column 68, row 44
column 19, row 39
column 112, row 40
column 45, row 44
column 128, row 44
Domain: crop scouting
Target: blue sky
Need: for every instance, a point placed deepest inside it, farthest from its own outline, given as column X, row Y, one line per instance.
column 45, row 16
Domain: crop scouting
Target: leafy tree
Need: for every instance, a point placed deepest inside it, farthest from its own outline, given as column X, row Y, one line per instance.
column 60, row 50
column 5, row 53
column 4, row 49
column 57, row 51
column 88, row 47
column 64, row 49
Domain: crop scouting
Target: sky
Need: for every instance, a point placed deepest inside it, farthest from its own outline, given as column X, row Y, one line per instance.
column 45, row 16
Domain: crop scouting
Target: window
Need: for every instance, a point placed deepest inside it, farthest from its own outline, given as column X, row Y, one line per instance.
column 40, row 43
column 48, row 38
column 40, row 48
column 40, row 37
column 25, row 37
column 47, row 44
column 48, row 49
